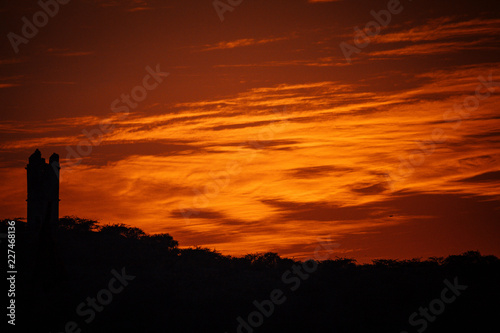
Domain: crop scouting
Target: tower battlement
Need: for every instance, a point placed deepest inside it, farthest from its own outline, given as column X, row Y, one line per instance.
column 43, row 192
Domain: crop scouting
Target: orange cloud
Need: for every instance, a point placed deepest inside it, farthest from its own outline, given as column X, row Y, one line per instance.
column 241, row 43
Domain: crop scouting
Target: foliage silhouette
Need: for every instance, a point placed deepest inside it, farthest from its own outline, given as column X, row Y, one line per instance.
column 201, row 290
column 78, row 224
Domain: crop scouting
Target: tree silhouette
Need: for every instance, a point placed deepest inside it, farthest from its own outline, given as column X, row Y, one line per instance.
column 161, row 241
column 78, row 224
column 200, row 290
column 120, row 229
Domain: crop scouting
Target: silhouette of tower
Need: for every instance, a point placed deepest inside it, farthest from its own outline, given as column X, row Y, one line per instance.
column 43, row 193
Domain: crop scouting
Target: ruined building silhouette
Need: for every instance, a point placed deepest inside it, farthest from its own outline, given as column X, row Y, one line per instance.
column 43, row 193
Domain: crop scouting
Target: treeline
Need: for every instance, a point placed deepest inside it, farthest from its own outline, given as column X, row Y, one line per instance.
column 201, row 290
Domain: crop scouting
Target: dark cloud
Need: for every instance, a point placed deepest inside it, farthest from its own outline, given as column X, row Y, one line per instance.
column 492, row 176
column 197, row 214
column 371, row 189
column 318, row 171
column 242, row 125
column 321, row 211
column 492, row 134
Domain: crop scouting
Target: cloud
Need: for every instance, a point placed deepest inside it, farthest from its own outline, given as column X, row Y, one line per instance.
column 241, row 43
column 8, row 85
column 321, row 62
column 444, row 28
column 139, row 9
column 317, row 171
column 199, row 214
column 59, row 82
column 67, row 53
column 492, row 134
column 438, row 36
column 11, row 61
column 371, row 189
column 491, row 176
column 317, row 1
column 432, row 49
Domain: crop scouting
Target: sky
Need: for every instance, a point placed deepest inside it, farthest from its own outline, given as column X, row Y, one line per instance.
column 251, row 126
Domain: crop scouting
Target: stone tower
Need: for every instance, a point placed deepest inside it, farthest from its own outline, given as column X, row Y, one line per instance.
column 43, row 193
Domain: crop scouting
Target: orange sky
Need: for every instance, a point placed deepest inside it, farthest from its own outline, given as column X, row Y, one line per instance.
column 263, row 136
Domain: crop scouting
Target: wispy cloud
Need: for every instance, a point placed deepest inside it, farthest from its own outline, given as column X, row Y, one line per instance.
column 442, row 29
column 321, row 62
column 59, row 82
column 139, row 9
column 439, row 36
column 433, row 48
column 315, row 1
column 10, row 61
column 241, row 43
column 68, row 53
column 8, row 85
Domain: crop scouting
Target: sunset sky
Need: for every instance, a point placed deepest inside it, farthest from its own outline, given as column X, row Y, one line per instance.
column 258, row 134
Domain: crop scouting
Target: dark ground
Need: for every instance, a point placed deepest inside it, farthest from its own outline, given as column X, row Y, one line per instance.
column 165, row 289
